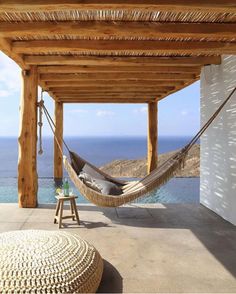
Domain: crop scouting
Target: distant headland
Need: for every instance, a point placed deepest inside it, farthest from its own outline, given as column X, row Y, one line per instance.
column 137, row 168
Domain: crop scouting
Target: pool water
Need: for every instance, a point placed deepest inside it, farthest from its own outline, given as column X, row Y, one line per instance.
column 177, row 190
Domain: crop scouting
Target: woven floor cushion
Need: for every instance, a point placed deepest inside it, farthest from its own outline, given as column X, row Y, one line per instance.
column 48, row 262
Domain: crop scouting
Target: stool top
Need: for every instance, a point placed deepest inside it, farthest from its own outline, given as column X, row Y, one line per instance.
column 35, row 261
column 66, row 197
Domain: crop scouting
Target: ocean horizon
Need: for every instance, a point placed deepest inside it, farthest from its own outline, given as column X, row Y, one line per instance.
column 97, row 150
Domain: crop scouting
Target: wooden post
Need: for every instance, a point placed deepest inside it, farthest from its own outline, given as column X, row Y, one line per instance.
column 58, row 158
column 27, row 158
column 152, row 137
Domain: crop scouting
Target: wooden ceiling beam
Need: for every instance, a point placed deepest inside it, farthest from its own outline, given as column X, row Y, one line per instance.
column 113, row 83
column 188, row 83
column 118, row 91
column 6, row 48
column 117, row 76
column 112, row 69
column 111, row 98
column 114, row 88
column 12, row 6
column 105, row 94
column 123, row 46
column 105, row 29
column 121, row 60
column 117, row 100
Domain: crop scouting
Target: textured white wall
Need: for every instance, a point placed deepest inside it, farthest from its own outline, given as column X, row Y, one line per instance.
column 218, row 144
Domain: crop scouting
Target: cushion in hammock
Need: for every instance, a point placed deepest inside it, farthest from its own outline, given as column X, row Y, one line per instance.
column 92, row 172
column 108, row 188
column 88, row 180
column 102, row 186
column 79, row 165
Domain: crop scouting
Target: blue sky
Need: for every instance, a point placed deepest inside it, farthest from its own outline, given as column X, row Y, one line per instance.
column 178, row 114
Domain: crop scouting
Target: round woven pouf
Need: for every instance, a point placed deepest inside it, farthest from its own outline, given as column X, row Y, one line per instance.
column 48, row 262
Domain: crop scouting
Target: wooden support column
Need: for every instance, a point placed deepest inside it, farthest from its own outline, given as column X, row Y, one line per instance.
column 58, row 158
column 27, row 159
column 152, row 137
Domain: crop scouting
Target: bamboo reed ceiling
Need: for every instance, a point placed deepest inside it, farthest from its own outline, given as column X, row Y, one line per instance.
column 117, row 51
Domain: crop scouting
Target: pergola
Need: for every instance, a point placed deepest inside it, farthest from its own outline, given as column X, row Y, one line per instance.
column 107, row 51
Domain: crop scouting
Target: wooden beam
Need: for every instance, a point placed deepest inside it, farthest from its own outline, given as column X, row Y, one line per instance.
column 116, row 76
column 58, row 158
column 123, row 46
column 121, row 61
column 110, row 89
column 225, row 6
column 107, row 101
column 177, row 88
column 107, row 96
column 113, row 83
column 152, row 137
column 113, row 69
column 124, row 29
column 63, row 93
column 6, row 48
column 27, row 161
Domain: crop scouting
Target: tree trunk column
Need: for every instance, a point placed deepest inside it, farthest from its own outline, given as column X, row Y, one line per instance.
column 152, row 137
column 27, row 158
column 58, row 158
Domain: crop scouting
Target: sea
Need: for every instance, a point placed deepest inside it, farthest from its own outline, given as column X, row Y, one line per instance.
column 99, row 151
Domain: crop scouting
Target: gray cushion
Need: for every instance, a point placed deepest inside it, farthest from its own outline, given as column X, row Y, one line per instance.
column 89, row 181
column 108, row 188
column 85, row 177
column 102, row 186
column 80, row 165
column 92, row 172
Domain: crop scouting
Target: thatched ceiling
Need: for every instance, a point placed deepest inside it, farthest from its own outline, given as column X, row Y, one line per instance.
column 117, row 51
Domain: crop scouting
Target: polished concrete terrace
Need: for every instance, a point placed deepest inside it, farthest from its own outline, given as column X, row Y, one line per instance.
column 165, row 248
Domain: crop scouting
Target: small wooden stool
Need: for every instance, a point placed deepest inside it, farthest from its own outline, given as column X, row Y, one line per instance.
column 59, row 209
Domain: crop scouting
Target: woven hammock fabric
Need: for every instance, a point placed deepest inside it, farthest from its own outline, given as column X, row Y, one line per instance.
column 35, row 261
column 130, row 190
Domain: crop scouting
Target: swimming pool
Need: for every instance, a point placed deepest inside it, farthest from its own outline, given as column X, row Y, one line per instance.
column 177, row 190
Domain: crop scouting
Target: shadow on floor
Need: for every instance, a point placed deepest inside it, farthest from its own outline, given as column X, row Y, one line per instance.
column 112, row 281
column 85, row 224
column 216, row 234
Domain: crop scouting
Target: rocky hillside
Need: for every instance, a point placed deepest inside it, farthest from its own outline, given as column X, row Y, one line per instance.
column 137, row 168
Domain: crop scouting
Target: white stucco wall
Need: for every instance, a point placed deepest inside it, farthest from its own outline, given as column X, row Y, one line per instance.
column 218, row 144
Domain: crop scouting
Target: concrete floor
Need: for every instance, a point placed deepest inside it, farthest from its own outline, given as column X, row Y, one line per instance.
column 170, row 248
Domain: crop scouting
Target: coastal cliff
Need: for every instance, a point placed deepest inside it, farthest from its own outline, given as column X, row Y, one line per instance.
column 137, row 168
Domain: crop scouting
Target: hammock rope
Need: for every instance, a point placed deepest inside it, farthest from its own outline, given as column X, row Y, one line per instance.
column 53, row 127
column 130, row 190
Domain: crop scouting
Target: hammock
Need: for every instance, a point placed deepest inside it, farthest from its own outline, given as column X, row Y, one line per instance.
column 130, row 190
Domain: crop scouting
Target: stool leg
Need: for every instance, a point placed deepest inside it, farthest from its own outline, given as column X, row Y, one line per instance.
column 57, row 210
column 72, row 209
column 61, row 212
column 76, row 212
